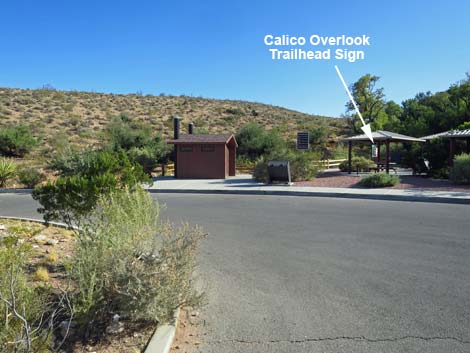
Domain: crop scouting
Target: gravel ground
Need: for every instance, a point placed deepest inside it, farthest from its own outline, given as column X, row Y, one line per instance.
column 340, row 180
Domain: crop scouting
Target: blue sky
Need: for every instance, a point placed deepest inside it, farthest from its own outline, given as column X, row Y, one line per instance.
column 215, row 48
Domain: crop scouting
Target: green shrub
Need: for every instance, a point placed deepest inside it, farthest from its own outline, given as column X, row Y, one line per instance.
column 303, row 165
column 69, row 199
column 146, row 157
column 379, row 180
column 16, row 141
column 30, row 177
column 461, row 169
column 137, row 139
column 254, row 141
column 128, row 262
column 7, row 171
column 83, row 178
column 358, row 164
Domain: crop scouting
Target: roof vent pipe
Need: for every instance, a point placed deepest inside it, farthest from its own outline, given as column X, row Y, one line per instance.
column 191, row 128
column 176, row 127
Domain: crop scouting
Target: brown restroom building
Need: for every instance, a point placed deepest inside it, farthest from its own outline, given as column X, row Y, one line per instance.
column 204, row 156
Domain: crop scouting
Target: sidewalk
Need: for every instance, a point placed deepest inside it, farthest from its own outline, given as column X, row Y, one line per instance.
column 245, row 185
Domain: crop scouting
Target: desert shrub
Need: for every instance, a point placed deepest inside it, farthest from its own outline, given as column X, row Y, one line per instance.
column 358, row 164
column 260, row 173
column 461, row 169
column 16, row 141
column 7, row 171
column 123, row 134
column 83, row 178
column 41, row 274
column 254, row 141
column 94, row 163
column 303, row 165
column 68, row 199
column 379, row 180
column 26, row 333
column 128, row 262
column 30, row 177
column 139, row 142
column 149, row 157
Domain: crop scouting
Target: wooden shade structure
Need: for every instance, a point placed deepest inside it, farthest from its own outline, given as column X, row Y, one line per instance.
column 380, row 137
column 452, row 135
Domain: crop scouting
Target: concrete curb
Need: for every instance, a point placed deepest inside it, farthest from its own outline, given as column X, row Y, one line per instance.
column 55, row 224
column 384, row 197
column 16, row 191
column 163, row 336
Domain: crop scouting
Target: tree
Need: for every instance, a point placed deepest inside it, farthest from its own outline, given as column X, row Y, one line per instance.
column 370, row 101
column 254, row 141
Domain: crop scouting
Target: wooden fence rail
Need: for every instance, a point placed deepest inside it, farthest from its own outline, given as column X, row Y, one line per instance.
column 249, row 168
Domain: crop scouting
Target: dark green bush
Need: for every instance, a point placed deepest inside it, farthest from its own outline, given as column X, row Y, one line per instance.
column 83, row 178
column 16, row 141
column 461, row 169
column 123, row 134
column 358, row 164
column 30, row 177
column 379, row 180
column 254, row 141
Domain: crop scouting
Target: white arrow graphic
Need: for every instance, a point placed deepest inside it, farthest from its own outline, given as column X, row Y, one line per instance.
column 365, row 128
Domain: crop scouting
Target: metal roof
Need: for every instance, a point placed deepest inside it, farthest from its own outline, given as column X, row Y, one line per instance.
column 204, row 139
column 448, row 134
column 382, row 135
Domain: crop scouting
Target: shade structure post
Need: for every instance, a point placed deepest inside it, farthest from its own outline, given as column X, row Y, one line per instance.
column 378, row 152
column 387, row 162
column 451, row 151
column 468, row 144
column 349, row 157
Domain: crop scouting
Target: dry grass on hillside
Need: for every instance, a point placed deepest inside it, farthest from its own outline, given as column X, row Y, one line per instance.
column 81, row 116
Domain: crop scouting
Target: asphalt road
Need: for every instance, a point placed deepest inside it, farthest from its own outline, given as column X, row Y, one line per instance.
column 292, row 274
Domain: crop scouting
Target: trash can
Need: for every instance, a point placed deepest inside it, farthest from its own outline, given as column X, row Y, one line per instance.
column 279, row 171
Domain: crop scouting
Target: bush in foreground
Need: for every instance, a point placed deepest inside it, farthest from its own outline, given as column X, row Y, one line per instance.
column 461, row 169
column 29, row 313
column 379, row 180
column 128, row 262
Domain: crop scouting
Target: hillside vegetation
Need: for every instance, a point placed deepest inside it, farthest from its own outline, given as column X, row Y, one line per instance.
column 80, row 117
